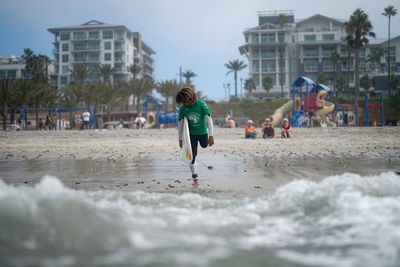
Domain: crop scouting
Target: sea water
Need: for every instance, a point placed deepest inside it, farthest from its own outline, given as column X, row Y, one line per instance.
column 345, row 220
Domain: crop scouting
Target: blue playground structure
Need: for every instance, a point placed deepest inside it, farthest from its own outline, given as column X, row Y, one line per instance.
column 306, row 102
column 160, row 118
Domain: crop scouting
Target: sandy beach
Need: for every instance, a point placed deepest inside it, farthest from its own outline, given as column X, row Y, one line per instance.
column 149, row 160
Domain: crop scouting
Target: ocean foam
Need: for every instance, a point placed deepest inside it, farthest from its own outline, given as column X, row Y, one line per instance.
column 345, row 220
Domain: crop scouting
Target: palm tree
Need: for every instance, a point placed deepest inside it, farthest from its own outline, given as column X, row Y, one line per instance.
column 358, row 28
column 335, row 57
column 27, row 58
column 135, row 69
column 140, row 88
column 75, row 93
column 322, row 79
column 110, row 96
column 235, row 66
column 365, row 82
column 249, row 85
column 341, row 83
column 168, row 88
column 44, row 67
column 188, row 74
column 106, row 71
column 281, row 20
column 390, row 11
column 267, row 84
column 81, row 73
column 375, row 58
column 7, row 87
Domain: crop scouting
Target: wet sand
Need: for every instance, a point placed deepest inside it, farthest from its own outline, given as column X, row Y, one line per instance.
column 149, row 160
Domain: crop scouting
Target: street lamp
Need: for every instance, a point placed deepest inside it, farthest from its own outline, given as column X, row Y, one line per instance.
column 241, row 87
column 227, row 87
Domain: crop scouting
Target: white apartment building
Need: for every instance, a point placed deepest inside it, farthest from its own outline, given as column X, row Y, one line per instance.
column 95, row 43
column 11, row 67
column 306, row 47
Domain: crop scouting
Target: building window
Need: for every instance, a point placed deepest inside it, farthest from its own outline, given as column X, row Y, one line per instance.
column 65, row 58
column 79, row 46
column 281, row 37
column 107, row 34
column 65, row 47
column 310, row 52
column 327, row 65
column 65, row 36
column 268, row 53
column 93, row 45
column 309, row 38
column 327, row 51
column 107, row 45
column 310, row 65
column 81, row 57
column 308, row 30
column 268, row 38
column 107, row 56
column 120, row 35
column 256, row 66
column 94, row 57
column 345, row 65
column 268, row 66
column 118, row 57
column 328, row 37
column 94, row 35
column 79, row 35
column 65, row 69
column 12, row 74
column 119, row 46
column 64, row 80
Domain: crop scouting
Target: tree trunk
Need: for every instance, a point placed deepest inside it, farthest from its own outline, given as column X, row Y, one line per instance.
column 235, row 73
column 389, row 85
column 4, row 117
column 356, row 82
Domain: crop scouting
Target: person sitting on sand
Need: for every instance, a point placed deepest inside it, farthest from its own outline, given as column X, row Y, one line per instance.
column 286, row 129
column 249, row 130
column 231, row 123
column 140, row 121
column 268, row 130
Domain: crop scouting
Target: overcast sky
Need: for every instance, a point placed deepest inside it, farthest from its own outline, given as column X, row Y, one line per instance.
column 198, row 35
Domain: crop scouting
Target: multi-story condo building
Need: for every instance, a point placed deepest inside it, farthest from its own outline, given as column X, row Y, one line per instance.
column 92, row 44
column 283, row 51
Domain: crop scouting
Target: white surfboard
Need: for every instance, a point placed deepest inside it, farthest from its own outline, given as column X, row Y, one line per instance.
column 187, row 154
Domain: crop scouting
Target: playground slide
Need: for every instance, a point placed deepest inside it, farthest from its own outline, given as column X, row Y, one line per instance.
column 326, row 107
column 278, row 115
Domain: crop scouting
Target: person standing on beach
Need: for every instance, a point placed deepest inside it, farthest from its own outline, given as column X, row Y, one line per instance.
column 199, row 119
column 86, row 119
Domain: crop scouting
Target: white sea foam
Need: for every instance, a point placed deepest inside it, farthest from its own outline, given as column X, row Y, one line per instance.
column 346, row 220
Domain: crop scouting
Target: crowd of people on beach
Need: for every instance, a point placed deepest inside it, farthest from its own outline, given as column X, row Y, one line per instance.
column 250, row 132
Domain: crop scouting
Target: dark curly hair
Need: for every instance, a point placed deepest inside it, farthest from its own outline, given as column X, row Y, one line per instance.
column 186, row 96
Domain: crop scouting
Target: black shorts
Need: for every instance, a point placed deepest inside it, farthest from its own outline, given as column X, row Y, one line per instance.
column 198, row 138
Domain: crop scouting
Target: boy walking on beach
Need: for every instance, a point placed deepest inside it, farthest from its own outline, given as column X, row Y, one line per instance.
column 199, row 118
